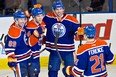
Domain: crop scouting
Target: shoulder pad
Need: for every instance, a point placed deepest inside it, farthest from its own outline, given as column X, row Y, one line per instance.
column 101, row 42
column 51, row 14
column 71, row 18
column 14, row 31
column 43, row 24
column 31, row 25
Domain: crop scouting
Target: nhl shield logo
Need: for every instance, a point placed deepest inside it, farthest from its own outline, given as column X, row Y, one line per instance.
column 58, row 27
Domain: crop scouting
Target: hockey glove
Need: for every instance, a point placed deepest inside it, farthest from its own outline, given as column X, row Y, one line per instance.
column 68, row 70
column 80, row 31
column 38, row 32
column 12, row 64
column 12, row 59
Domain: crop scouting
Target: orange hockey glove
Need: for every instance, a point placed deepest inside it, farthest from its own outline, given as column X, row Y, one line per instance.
column 37, row 5
column 12, row 61
column 11, row 58
column 68, row 70
column 27, row 13
column 80, row 31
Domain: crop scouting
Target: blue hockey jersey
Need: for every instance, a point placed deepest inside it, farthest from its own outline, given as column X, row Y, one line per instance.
column 16, row 44
column 93, row 58
column 31, row 26
column 67, row 26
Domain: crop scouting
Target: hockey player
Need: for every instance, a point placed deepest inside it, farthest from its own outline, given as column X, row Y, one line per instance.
column 58, row 22
column 92, row 56
column 16, row 49
column 35, row 29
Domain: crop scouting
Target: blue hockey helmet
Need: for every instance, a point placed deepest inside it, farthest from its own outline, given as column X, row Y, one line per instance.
column 57, row 4
column 37, row 11
column 90, row 31
column 19, row 14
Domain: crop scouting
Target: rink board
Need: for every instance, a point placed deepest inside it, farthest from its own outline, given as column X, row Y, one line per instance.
column 104, row 22
column 43, row 62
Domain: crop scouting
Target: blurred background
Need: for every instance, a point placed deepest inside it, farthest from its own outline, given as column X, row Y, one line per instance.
column 7, row 7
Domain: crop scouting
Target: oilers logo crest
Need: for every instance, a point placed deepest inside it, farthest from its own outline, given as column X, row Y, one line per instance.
column 58, row 27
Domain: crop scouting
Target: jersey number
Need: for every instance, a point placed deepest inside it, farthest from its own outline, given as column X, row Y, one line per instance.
column 99, row 60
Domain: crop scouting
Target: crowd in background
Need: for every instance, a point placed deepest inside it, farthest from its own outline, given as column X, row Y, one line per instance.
column 7, row 7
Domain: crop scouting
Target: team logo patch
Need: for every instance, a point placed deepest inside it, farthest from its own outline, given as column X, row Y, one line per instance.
column 58, row 27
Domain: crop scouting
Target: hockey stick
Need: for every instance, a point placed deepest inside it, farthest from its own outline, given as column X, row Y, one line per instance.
column 15, row 73
column 42, row 50
column 56, row 46
column 109, row 45
column 2, row 37
column 78, row 3
column 56, row 40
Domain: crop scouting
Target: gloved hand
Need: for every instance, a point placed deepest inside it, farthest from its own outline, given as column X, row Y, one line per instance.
column 68, row 68
column 27, row 13
column 12, row 64
column 80, row 31
column 38, row 32
column 12, row 59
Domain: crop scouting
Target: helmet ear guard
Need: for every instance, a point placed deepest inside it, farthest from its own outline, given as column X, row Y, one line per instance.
column 57, row 4
column 90, row 31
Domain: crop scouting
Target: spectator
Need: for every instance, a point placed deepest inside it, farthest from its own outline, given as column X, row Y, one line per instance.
column 2, row 6
column 96, row 5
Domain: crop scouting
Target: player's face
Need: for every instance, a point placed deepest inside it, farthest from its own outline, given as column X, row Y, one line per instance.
column 39, row 18
column 59, row 11
column 21, row 22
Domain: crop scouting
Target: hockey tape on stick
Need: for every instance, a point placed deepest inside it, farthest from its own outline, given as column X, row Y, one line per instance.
column 42, row 50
